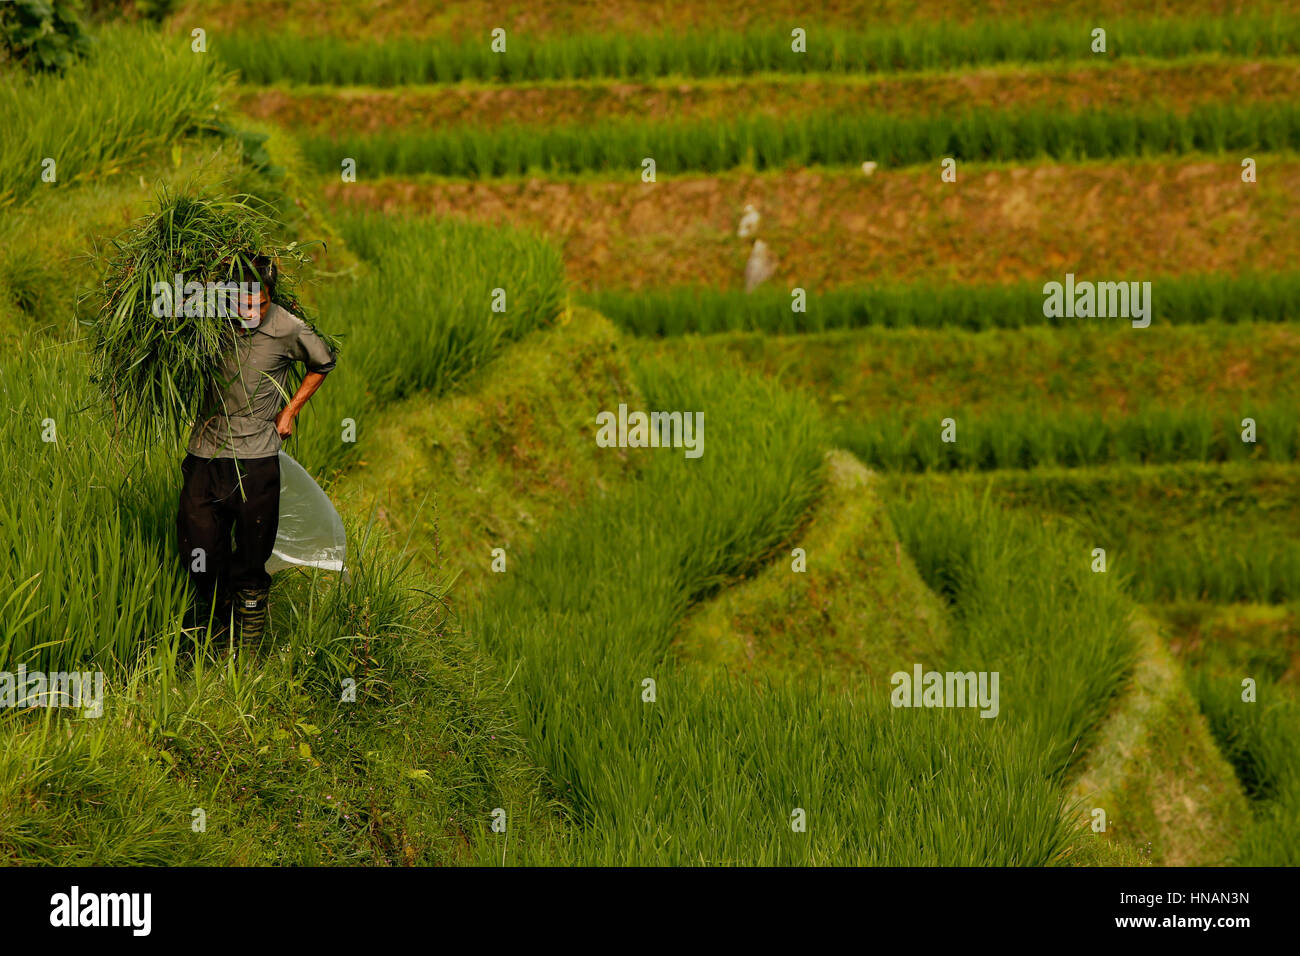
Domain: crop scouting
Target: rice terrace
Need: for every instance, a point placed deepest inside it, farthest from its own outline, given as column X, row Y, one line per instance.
column 844, row 434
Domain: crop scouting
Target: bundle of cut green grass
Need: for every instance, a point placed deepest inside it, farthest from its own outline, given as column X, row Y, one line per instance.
column 154, row 359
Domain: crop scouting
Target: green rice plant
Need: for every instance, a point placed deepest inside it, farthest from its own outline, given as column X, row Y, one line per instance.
column 590, row 612
column 818, row 139
column 99, row 117
column 1225, row 533
column 424, row 316
column 158, row 367
column 675, row 310
column 1260, row 741
column 84, row 580
column 1033, row 438
column 269, row 57
column 1026, row 604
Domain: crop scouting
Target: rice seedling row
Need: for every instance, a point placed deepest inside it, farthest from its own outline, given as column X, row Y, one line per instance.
column 921, row 377
column 1221, row 646
column 679, row 310
column 1032, row 438
column 267, row 56
column 1260, row 741
column 465, row 19
column 1186, row 532
column 822, row 139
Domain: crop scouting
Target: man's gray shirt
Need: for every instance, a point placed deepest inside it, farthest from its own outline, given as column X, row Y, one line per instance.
column 238, row 419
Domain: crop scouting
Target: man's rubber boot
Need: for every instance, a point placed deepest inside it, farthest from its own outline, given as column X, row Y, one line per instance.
column 208, row 612
column 197, row 614
column 222, row 618
column 250, row 614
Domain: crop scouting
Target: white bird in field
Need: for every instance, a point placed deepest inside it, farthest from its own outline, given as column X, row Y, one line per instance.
column 868, row 167
column 748, row 222
column 760, row 266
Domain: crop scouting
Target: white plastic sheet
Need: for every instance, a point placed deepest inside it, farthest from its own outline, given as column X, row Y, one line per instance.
column 311, row 532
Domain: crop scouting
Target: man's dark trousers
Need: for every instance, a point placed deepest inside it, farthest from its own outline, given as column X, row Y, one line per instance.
column 218, row 495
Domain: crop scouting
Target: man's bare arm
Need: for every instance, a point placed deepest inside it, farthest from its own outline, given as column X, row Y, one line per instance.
column 284, row 421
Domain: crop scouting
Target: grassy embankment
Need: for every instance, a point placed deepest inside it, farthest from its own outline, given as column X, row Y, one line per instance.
column 282, row 769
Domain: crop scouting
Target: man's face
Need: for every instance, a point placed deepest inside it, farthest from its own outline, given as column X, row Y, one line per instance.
column 253, row 303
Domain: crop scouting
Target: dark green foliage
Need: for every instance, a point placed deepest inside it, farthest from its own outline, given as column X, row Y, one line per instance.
column 43, row 35
column 154, row 11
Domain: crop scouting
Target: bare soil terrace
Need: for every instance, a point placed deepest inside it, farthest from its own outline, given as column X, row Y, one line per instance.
column 831, row 228
column 462, row 18
column 1176, row 86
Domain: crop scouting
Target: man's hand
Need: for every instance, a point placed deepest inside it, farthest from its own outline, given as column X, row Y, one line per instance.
column 284, row 421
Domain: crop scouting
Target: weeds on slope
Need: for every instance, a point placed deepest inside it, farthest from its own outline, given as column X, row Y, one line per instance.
column 271, row 761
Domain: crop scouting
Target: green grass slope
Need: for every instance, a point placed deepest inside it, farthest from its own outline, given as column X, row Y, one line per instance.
column 491, row 466
column 857, row 613
column 252, row 761
column 1169, row 795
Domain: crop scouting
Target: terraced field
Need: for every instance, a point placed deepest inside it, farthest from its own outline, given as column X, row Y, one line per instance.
column 644, row 657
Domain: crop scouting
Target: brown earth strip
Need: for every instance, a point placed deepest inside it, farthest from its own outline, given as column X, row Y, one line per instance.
column 1177, row 87
column 834, row 228
column 468, row 18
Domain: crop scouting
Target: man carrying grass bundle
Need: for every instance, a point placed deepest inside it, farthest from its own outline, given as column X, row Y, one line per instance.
column 232, row 469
